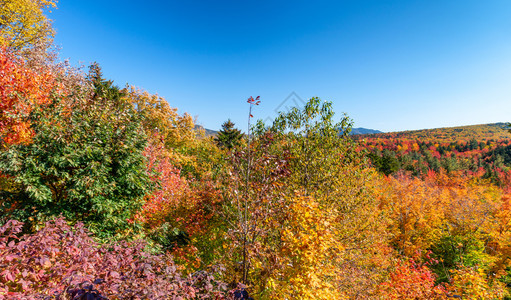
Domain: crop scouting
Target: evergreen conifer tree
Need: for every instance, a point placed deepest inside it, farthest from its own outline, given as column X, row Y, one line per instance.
column 228, row 137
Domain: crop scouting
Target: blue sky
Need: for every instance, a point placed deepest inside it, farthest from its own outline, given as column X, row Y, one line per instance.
column 390, row 65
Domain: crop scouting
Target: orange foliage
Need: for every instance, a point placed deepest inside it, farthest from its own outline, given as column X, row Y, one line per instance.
column 416, row 212
column 465, row 221
column 170, row 191
column 412, row 280
column 20, row 89
column 471, row 283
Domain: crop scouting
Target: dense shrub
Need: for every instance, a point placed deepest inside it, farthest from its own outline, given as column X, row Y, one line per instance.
column 85, row 161
column 60, row 260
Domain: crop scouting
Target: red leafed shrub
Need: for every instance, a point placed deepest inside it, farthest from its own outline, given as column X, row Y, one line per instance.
column 412, row 280
column 63, row 262
column 171, row 187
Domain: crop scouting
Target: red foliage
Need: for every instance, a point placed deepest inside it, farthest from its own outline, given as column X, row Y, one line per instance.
column 60, row 260
column 174, row 199
column 412, row 280
column 171, row 187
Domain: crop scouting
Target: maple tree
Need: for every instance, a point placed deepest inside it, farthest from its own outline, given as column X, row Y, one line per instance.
column 412, row 280
column 159, row 203
column 308, row 255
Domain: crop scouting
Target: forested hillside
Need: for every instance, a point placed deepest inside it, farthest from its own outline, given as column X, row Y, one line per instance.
column 480, row 150
column 480, row 133
column 110, row 193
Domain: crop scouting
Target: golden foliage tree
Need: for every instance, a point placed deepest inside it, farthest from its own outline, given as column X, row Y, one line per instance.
column 302, row 206
column 23, row 23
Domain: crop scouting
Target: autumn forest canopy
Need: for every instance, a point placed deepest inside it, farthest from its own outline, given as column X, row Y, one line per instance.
column 107, row 192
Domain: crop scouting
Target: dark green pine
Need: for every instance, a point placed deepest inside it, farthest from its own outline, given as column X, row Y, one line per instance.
column 228, row 137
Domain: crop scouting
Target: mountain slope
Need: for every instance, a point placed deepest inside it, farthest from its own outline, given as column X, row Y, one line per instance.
column 208, row 132
column 360, row 130
column 482, row 132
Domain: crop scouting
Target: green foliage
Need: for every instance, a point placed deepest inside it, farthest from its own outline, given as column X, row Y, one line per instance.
column 170, row 237
column 104, row 90
column 228, row 137
column 301, row 207
column 318, row 146
column 386, row 163
column 454, row 251
column 85, row 162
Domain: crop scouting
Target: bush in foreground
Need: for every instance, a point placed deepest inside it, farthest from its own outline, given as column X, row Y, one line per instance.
column 60, row 260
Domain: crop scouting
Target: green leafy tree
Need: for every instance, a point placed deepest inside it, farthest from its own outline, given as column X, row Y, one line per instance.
column 228, row 137
column 85, row 161
column 302, row 211
column 320, row 147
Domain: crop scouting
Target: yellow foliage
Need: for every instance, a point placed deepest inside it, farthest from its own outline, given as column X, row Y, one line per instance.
column 158, row 116
column 416, row 211
column 424, row 211
column 308, row 253
column 471, row 283
column 23, row 23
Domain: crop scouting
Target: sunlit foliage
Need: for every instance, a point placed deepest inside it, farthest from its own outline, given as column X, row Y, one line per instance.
column 23, row 23
column 21, row 89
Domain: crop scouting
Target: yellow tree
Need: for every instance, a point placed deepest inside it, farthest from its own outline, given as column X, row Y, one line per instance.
column 158, row 116
column 309, row 245
column 325, row 165
column 308, row 252
column 23, row 23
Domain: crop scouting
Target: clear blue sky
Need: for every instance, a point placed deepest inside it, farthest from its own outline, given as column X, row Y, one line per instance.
column 390, row 65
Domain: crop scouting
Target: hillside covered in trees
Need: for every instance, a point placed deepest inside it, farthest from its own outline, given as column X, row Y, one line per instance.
column 480, row 133
column 479, row 150
column 110, row 193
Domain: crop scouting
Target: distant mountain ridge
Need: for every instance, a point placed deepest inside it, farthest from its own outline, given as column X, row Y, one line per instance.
column 481, row 132
column 360, row 130
column 208, row 132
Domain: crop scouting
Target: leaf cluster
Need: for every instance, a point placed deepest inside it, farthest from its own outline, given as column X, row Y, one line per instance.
column 59, row 261
column 85, row 162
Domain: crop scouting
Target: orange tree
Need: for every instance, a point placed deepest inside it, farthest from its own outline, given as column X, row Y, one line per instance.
column 21, row 88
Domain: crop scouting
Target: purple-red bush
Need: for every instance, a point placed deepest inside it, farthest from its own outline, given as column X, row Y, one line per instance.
column 60, row 261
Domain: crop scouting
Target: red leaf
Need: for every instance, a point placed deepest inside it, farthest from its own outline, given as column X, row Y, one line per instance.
column 8, row 275
column 114, row 274
column 10, row 257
